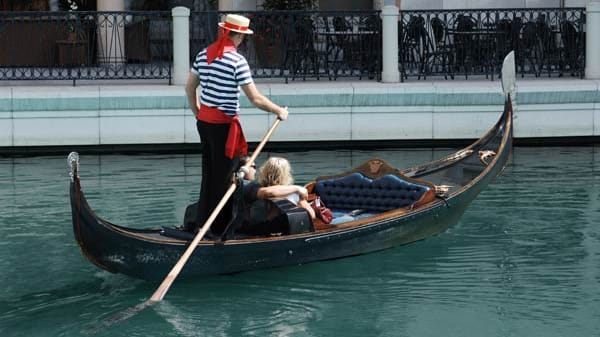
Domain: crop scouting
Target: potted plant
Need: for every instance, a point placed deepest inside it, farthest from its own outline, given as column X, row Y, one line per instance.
column 269, row 29
column 72, row 50
column 72, row 24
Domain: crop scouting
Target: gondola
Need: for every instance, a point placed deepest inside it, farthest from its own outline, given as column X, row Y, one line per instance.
column 397, row 207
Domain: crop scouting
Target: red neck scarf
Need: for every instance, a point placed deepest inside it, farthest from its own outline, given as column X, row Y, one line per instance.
column 219, row 47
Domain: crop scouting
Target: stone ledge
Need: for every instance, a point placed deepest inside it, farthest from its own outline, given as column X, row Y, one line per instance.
column 319, row 111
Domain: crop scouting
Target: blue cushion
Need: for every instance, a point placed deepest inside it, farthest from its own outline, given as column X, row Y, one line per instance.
column 356, row 191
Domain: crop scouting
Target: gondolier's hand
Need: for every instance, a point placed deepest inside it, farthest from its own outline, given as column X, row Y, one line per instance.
column 282, row 113
column 241, row 174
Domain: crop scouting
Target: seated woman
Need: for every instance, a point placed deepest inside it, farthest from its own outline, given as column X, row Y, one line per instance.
column 272, row 204
column 275, row 181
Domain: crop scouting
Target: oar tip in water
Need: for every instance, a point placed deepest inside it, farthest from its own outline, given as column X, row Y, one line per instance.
column 120, row 316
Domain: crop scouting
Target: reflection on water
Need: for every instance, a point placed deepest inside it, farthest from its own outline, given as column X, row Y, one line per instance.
column 522, row 261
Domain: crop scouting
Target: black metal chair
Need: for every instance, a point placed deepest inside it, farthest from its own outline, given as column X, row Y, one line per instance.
column 370, row 47
column 570, row 47
column 301, row 58
column 487, row 52
column 531, row 49
column 505, row 35
column 414, row 45
column 549, row 50
column 440, row 55
column 464, row 44
column 340, row 45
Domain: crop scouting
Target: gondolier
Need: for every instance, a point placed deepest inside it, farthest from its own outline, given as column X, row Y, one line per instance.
column 220, row 71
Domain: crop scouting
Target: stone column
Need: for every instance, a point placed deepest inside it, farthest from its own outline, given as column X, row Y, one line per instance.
column 378, row 4
column 389, row 36
column 181, row 44
column 592, row 40
column 225, row 5
column 111, row 32
column 238, row 5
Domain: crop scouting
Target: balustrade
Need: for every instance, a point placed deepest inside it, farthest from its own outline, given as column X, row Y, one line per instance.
column 85, row 45
column 292, row 45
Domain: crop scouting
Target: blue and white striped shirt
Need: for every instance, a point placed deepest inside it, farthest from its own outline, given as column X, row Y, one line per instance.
column 220, row 81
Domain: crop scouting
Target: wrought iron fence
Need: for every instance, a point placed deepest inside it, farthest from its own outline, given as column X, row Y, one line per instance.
column 300, row 44
column 295, row 44
column 447, row 43
column 85, row 45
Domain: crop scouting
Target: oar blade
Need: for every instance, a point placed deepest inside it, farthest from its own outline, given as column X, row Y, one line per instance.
column 119, row 317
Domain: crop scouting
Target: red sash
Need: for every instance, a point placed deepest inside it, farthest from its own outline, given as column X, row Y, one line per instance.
column 236, row 142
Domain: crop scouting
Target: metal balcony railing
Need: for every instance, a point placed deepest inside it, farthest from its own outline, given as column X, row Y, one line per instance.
column 292, row 45
column 301, row 44
column 85, row 45
column 547, row 41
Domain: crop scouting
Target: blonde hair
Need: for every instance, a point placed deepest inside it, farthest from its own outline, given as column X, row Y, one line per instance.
column 275, row 171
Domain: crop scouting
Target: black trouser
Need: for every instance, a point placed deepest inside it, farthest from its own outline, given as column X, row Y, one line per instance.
column 216, row 174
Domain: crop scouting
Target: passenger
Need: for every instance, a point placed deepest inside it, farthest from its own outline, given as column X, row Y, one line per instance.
column 275, row 181
column 219, row 70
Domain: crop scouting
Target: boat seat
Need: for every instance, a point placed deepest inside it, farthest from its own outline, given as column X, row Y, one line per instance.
column 374, row 195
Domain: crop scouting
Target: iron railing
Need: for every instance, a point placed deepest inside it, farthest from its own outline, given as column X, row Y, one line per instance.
column 85, row 45
column 301, row 44
column 546, row 41
column 295, row 44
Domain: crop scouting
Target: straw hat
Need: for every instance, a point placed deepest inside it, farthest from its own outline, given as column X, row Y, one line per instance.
column 236, row 23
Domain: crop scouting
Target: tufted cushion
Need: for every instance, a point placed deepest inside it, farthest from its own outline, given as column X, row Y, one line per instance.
column 356, row 191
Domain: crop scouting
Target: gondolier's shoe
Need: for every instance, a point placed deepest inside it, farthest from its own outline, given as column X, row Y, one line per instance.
column 179, row 232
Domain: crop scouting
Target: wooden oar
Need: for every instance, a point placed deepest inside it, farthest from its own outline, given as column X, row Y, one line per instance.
column 161, row 291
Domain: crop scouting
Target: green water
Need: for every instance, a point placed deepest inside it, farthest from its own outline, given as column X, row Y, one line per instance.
column 523, row 261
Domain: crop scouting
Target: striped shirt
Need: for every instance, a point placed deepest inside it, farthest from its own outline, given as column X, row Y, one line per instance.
column 220, row 81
